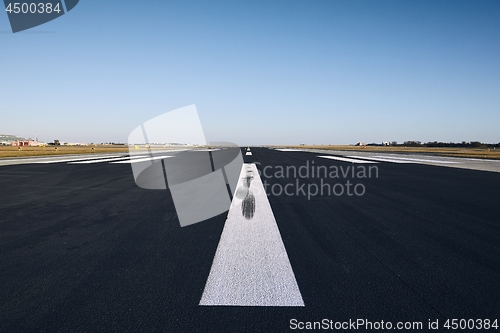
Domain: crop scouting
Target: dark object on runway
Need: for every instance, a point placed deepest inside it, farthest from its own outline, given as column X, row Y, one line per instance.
column 248, row 206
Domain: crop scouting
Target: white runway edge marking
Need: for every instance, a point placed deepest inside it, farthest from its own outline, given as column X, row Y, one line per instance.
column 402, row 160
column 104, row 160
column 251, row 266
column 248, row 153
column 74, row 159
column 145, row 159
column 344, row 159
column 418, row 159
column 383, row 159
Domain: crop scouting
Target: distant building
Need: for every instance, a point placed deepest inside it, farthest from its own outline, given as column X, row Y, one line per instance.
column 25, row 143
column 74, row 144
column 20, row 143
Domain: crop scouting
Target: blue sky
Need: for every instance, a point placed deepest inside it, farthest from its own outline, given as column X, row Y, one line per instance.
column 259, row 72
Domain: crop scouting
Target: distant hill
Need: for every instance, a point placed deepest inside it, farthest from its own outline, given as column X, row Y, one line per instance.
column 7, row 138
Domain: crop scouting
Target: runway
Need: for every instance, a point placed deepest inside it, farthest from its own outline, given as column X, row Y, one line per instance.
column 407, row 158
column 84, row 249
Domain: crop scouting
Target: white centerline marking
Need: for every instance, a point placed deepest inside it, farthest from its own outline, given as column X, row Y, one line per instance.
column 344, row 159
column 145, row 159
column 248, row 153
column 251, row 266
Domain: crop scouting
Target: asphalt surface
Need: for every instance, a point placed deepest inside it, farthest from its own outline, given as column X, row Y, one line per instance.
column 83, row 249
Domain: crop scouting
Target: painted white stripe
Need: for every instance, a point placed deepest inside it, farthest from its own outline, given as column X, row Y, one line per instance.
column 289, row 149
column 74, row 159
column 417, row 159
column 165, row 151
column 214, row 149
column 382, row 159
column 251, row 266
column 344, row 159
column 145, row 159
column 476, row 159
column 248, row 153
column 107, row 160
